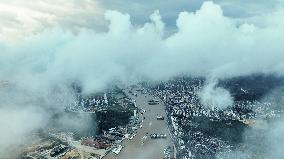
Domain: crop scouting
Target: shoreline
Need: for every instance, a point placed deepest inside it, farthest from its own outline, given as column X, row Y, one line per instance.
column 142, row 146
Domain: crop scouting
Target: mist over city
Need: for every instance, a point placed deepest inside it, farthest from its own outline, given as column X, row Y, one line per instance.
column 93, row 79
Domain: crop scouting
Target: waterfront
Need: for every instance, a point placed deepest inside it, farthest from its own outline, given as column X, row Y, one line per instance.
column 141, row 147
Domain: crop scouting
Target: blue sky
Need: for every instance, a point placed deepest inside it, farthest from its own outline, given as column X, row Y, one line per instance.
column 169, row 9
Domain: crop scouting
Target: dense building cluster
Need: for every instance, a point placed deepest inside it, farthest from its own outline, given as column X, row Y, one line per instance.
column 100, row 101
column 202, row 132
column 114, row 117
column 197, row 131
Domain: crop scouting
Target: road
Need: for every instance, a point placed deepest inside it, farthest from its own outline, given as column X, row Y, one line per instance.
column 139, row 148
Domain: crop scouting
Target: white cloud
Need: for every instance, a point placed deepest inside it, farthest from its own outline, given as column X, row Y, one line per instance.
column 212, row 96
column 206, row 43
column 21, row 18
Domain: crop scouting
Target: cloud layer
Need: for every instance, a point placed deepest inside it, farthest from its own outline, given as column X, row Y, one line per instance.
column 206, row 43
column 22, row 18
